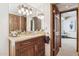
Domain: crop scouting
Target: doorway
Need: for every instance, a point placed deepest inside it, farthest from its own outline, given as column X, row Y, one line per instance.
column 69, row 46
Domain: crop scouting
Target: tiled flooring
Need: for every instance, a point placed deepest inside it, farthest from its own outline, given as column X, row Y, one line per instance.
column 68, row 47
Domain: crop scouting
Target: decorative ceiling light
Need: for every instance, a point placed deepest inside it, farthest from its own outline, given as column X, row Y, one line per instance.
column 24, row 10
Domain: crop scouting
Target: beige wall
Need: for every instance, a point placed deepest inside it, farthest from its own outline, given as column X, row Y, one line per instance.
column 4, row 29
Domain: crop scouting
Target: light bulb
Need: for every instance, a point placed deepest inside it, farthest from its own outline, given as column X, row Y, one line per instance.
column 26, row 10
column 30, row 12
column 19, row 11
column 24, row 13
column 22, row 9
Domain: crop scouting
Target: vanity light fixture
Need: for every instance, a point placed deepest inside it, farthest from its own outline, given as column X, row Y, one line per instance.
column 24, row 10
column 30, row 11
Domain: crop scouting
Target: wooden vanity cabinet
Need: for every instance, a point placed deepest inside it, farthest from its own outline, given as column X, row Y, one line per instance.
column 31, row 47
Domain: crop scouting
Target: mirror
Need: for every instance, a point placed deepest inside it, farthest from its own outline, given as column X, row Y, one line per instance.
column 24, row 18
column 35, row 24
column 17, row 23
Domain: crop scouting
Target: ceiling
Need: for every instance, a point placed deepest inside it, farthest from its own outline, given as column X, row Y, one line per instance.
column 66, row 6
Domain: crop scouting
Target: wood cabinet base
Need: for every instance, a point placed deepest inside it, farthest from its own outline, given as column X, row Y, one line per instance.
column 30, row 47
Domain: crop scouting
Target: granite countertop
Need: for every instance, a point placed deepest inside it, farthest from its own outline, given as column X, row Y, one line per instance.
column 26, row 36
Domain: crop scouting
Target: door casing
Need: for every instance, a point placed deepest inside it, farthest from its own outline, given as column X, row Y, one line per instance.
column 52, row 32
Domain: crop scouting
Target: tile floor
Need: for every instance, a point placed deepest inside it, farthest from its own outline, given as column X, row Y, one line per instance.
column 68, row 47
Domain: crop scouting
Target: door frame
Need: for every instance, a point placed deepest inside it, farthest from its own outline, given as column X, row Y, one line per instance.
column 75, row 9
column 52, row 30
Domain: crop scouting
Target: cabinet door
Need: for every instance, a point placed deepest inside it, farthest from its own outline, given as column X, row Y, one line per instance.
column 40, row 47
column 25, row 49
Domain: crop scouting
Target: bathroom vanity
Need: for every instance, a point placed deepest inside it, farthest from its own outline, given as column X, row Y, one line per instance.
column 27, row 45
